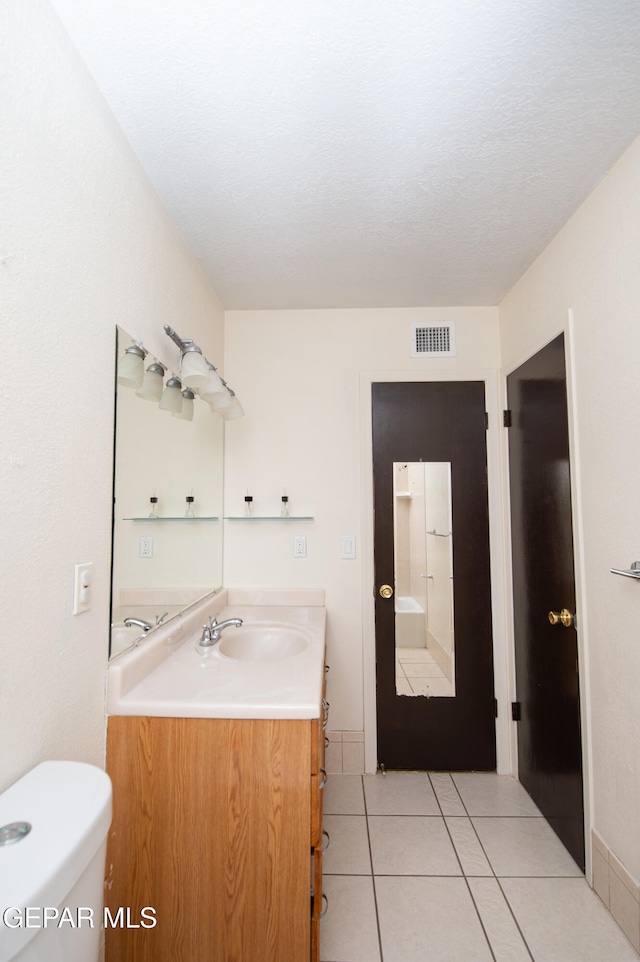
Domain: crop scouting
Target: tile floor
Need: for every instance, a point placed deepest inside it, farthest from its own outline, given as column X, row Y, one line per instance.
column 453, row 868
column 418, row 674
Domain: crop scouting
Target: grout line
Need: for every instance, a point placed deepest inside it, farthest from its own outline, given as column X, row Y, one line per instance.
column 524, row 941
column 508, row 904
column 466, row 882
column 373, row 877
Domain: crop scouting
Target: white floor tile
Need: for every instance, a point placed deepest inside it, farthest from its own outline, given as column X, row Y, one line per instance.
column 403, row 686
column 485, row 793
column 433, row 687
column 349, row 931
column 411, row 845
column 348, row 850
column 400, row 793
column 467, row 846
column 562, row 919
column 447, row 794
column 343, row 795
column 429, row 920
column 500, row 926
column 422, row 669
column 414, row 654
column 524, row 846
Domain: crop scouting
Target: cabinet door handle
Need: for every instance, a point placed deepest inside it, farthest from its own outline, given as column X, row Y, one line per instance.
column 326, row 742
column 326, row 906
column 323, row 780
column 325, row 835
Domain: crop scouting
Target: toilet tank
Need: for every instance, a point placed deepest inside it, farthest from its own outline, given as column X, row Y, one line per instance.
column 52, row 879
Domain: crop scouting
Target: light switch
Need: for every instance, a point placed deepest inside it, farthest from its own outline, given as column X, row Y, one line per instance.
column 82, row 587
column 348, row 546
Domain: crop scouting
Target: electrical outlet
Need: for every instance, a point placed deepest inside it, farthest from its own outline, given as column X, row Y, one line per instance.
column 146, row 547
column 300, row 546
column 82, row 587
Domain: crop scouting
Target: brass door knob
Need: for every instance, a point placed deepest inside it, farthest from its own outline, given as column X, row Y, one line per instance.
column 386, row 591
column 564, row 617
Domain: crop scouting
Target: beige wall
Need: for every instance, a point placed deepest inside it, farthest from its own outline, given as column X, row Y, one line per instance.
column 592, row 267
column 298, row 374
column 85, row 244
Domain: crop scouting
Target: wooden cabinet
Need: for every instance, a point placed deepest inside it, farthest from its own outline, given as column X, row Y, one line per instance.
column 217, row 825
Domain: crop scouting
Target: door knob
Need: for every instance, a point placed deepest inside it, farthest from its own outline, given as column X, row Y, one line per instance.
column 564, row 617
column 386, row 591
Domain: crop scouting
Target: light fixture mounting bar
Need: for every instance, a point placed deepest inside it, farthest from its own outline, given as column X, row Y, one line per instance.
column 182, row 342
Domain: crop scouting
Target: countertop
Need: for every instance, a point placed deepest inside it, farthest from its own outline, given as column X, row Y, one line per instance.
column 166, row 676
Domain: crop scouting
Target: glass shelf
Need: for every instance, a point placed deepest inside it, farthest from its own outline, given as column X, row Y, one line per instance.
column 267, row 517
column 178, row 518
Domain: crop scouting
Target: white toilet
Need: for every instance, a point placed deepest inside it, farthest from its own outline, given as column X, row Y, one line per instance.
column 52, row 876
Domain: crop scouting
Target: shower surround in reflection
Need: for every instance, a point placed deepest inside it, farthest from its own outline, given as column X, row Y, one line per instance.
column 424, row 562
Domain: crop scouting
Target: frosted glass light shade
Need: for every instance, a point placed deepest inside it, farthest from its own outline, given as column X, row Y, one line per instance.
column 194, row 372
column 213, row 387
column 186, row 411
column 172, row 396
column 220, row 402
column 235, row 410
column 131, row 367
column 151, row 387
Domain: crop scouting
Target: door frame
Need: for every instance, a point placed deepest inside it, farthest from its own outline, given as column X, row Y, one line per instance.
column 499, row 572
column 566, row 328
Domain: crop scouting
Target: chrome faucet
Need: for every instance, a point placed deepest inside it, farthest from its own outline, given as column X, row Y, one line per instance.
column 145, row 625
column 211, row 632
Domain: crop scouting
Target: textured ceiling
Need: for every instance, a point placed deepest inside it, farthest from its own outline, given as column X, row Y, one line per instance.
column 357, row 153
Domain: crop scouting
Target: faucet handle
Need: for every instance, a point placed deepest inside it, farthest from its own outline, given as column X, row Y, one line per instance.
column 212, row 621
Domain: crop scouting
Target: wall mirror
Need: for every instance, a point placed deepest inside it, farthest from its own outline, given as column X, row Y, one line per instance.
column 423, row 558
column 162, row 565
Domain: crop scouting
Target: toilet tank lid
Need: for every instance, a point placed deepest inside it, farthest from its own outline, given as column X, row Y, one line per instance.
column 68, row 805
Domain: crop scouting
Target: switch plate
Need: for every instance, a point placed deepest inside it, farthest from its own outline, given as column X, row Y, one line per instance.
column 348, row 546
column 146, row 547
column 83, row 574
column 300, row 546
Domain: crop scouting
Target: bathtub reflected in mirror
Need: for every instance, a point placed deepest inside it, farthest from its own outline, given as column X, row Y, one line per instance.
column 423, row 553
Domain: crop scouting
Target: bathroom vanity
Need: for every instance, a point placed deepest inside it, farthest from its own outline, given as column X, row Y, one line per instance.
column 217, row 771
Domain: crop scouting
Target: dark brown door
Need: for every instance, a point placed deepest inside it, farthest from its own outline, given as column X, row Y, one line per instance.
column 546, row 654
column 436, row 422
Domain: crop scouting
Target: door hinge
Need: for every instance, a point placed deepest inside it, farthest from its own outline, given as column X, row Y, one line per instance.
column 495, row 706
column 516, row 710
column 506, row 418
column 486, row 420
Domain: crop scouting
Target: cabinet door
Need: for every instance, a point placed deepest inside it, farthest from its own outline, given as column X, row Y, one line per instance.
column 211, row 828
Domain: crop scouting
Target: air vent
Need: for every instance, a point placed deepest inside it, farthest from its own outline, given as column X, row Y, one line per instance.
column 433, row 340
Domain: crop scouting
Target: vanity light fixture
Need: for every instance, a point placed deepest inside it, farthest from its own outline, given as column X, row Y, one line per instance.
column 193, row 366
column 186, row 411
column 172, row 396
column 235, row 409
column 221, row 402
column 193, row 369
column 131, row 366
column 151, row 387
column 197, row 373
column 214, row 385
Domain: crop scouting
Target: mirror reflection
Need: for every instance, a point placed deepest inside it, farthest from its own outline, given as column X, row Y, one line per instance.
column 167, row 553
column 423, row 558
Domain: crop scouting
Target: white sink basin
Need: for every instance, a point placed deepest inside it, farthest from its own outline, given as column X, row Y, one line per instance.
column 263, row 642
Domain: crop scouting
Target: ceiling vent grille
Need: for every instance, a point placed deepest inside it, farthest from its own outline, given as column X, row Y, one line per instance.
column 433, row 340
